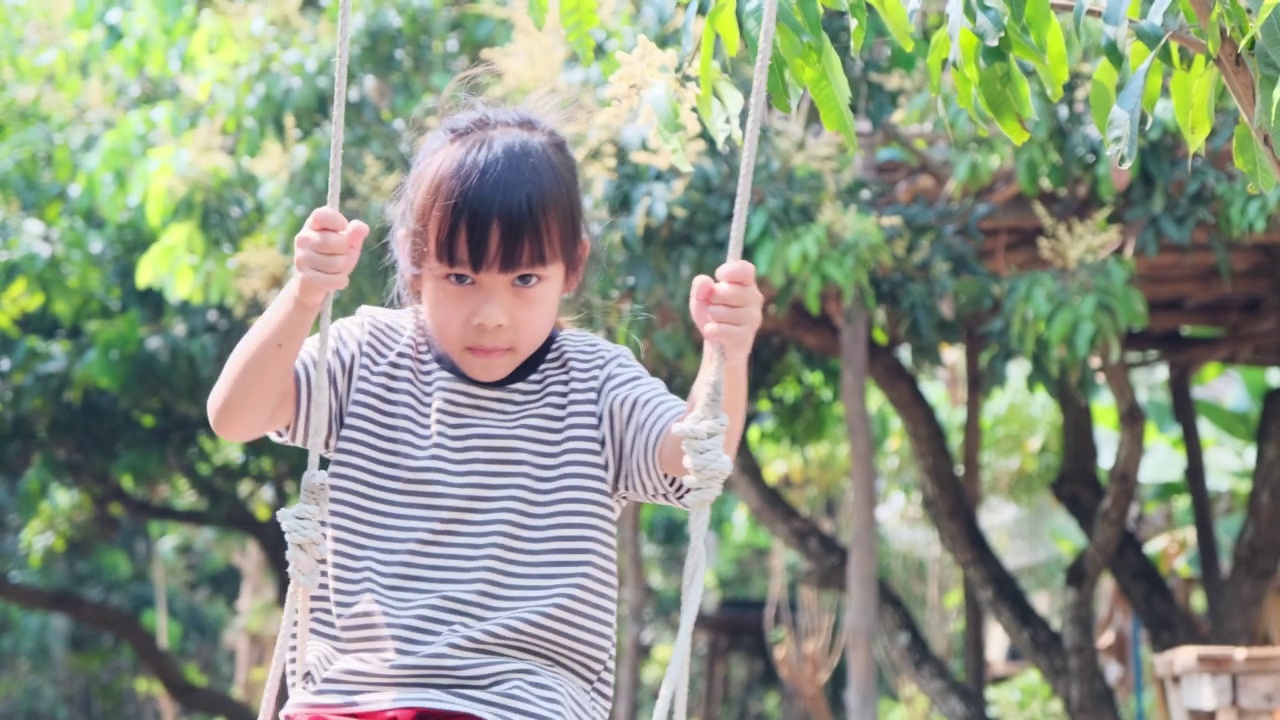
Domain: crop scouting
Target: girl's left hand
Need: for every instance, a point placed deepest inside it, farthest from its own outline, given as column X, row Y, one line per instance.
column 729, row 309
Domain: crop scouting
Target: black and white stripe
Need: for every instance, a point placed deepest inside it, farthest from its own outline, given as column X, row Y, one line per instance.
column 472, row 527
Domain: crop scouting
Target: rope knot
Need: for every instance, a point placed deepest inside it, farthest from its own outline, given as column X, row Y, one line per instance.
column 304, row 531
column 705, row 459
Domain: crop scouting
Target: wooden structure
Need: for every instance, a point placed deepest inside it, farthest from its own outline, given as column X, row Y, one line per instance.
column 1228, row 291
column 1210, row 682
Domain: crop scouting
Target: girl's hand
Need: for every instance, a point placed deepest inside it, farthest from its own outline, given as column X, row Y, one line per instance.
column 324, row 254
column 729, row 309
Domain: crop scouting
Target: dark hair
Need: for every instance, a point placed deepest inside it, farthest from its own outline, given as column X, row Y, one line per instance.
column 487, row 170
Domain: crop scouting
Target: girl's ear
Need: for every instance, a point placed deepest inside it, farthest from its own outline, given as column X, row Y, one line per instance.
column 404, row 251
column 571, row 283
column 408, row 265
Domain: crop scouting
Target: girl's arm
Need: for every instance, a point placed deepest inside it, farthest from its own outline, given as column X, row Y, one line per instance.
column 255, row 393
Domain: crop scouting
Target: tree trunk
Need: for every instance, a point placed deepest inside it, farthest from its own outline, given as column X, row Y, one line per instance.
column 1257, row 550
column 975, row 660
column 633, row 601
column 1184, row 410
column 861, row 569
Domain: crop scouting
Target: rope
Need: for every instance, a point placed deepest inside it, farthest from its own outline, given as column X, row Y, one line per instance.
column 303, row 524
column 703, row 430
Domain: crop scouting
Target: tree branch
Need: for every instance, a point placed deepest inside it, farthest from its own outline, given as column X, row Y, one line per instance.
column 267, row 535
column 1184, row 411
column 975, row 656
column 1186, row 40
column 1122, row 482
column 167, row 669
column 1253, row 561
column 948, row 506
column 1092, row 697
column 901, row 636
column 932, row 165
column 1167, row 622
column 910, row 653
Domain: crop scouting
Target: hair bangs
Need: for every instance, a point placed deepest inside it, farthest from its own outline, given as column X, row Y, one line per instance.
column 501, row 201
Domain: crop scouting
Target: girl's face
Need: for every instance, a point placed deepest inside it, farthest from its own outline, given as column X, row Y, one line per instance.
column 490, row 322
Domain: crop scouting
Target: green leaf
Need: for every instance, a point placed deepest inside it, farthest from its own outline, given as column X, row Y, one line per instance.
column 1115, row 29
column 18, row 299
column 821, row 71
column 779, row 86
column 939, row 49
column 724, row 18
column 857, row 23
column 1264, row 12
column 170, row 263
column 1102, row 94
column 723, row 119
column 1138, row 54
column 1267, row 47
column 1047, row 31
column 1250, row 159
column 1156, row 13
column 894, row 15
column 159, row 201
column 670, row 128
column 1007, row 96
column 988, row 24
column 579, row 18
column 1192, row 92
column 1152, row 38
column 968, row 74
column 1122, row 122
column 1268, row 101
column 955, row 27
column 538, row 12
column 1236, row 424
column 830, row 89
column 707, row 70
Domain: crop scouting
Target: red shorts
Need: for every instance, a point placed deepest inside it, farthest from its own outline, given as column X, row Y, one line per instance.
column 402, row 714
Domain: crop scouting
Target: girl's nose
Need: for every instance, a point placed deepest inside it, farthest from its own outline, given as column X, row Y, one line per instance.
column 490, row 315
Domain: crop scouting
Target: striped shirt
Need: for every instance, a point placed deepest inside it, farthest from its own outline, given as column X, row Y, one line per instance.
column 472, row 526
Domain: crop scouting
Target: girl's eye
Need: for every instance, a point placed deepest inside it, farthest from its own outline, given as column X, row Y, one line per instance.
column 459, row 279
column 526, row 280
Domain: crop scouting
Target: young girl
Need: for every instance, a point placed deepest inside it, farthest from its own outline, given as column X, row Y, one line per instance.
column 479, row 454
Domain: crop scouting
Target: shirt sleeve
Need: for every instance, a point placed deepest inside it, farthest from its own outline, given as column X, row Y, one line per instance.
column 343, row 353
column 637, row 411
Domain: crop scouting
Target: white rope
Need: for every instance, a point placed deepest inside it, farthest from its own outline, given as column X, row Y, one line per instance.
column 703, row 431
column 303, row 524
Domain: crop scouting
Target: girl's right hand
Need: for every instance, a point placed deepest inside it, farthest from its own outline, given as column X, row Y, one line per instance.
column 324, row 254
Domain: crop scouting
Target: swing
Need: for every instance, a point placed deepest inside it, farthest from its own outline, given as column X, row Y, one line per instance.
column 702, row 431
